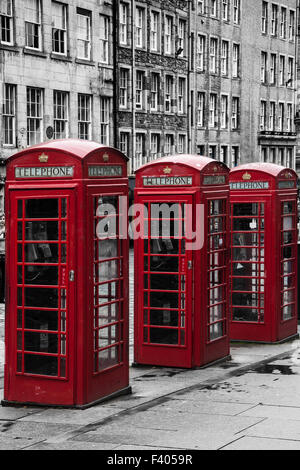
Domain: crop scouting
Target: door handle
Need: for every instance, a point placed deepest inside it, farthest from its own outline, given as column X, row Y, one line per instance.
column 71, row 275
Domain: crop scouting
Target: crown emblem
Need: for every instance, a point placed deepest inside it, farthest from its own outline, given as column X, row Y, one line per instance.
column 215, row 168
column 167, row 170
column 105, row 157
column 246, row 176
column 288, row 175
column 43, row 158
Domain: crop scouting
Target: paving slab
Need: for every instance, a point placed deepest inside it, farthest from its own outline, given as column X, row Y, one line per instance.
column 259, row 443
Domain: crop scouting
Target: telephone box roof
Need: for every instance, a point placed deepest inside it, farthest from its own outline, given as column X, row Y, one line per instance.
column 267, row 168
column 197, row 162
column 77, row 147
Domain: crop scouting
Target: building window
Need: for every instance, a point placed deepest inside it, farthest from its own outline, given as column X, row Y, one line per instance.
column 84, row 117
column 274, row 20
column 282, row 70
column 290, row 157
column 168, row 34
column 235, row 109
column 33, row 24
column 273, row 155
column 213, row 8
column 181, row 95
column 281, row 117
column 224, row 57
column 235, row 60
column 281, row 159
column 139, row 151
column 213, row 110
column 263, row 115
column 83, row 35
column 289, row 117
column 201, row 109
column 181, row 143
column 290, row 78
column 292, row 26
column 272, row 116
column 264, row 17
column 224, row 111
column 212, row 151
column 213, row 55
column 201, row 7
column 140, row 27
column 224, row 154
column 264, row 154
column 169, row 144
column 9, row 116
column 235, row 156
column 181, row 40
column 154, row 31
column 124, row 19
column 104, row 38
column 154, row 146
column 6, row 17
column 263, row 67
column 124, row 142
column 34, row 116
column 124, row 86
column 236, row 11
column 61, row 114
column 283, row 23
column 225, row 15
column 200, row 52
column 59, row 28
column 104, row 120
column 169, row 93
column 139, row 90
column 273, row 59
column 154, row 98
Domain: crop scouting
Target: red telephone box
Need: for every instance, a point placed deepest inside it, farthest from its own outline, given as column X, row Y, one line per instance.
column 180, row 262
column 263, row 199
column 67, row 275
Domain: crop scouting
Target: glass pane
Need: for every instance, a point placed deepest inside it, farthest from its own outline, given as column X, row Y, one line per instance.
column 41, row 342
column 163, row 336
column 245, row 209
column 40, row 253
column 108, row 358
column 40, row 297
column 245, row 314
column 164, row 282
column 41, row 320
column 40, row 365
column 246, row 224
column 159, row 299
column 163, row 317
column 162, row 263
column 41, row 208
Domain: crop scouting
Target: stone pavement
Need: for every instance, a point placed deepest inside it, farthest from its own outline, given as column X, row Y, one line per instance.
column 249, row 402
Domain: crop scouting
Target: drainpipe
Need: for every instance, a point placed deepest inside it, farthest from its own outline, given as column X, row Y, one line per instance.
column 115, row 31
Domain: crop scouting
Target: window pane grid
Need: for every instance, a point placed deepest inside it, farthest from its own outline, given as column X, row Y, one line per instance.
column 42, row 329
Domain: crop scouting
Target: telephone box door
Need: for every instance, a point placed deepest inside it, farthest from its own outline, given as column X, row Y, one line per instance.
column 164, row 268
column 41, row 297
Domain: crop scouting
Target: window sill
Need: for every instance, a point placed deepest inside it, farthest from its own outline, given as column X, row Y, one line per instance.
column 10, row 48
column 34, row 52
column 63, row 58
column 85, row 62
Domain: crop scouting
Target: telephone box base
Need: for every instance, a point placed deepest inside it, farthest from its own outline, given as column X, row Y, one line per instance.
column 124, row 391
column 281, row 341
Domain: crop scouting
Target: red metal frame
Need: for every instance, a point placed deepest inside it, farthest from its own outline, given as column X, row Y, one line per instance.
column 163, row 335
column 56, row 335
column 260, row 291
